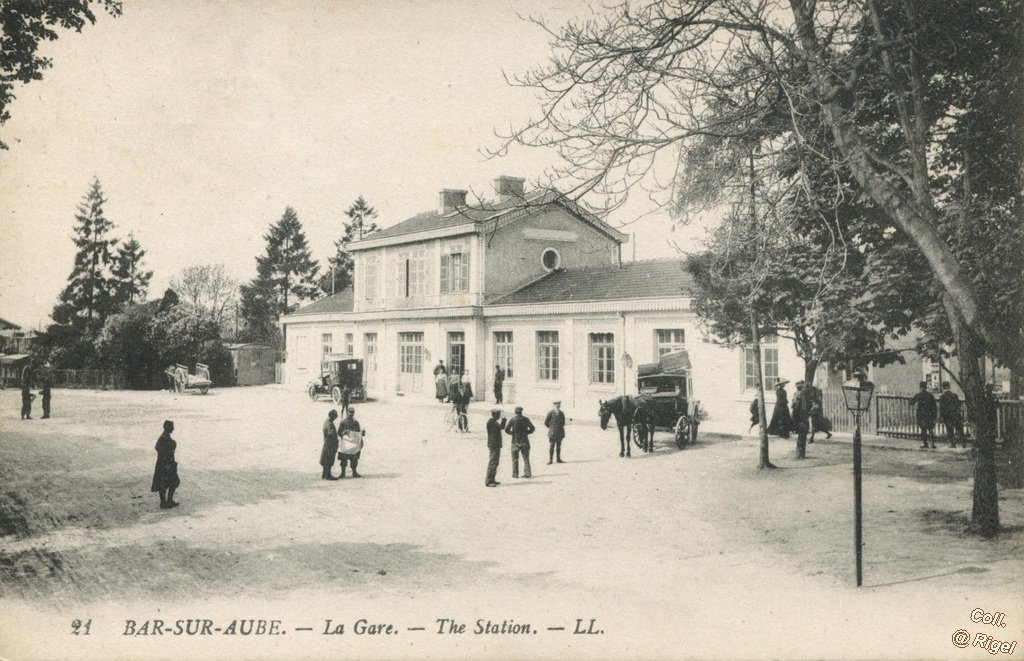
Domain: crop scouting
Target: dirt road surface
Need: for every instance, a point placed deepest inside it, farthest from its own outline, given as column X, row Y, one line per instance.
column 676, row 554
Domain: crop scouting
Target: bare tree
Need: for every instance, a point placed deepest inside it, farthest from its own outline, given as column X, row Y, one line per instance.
column 208, row 287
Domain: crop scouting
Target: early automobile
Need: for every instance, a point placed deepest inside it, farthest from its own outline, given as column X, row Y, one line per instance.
column 665, row 395
column 338, row 373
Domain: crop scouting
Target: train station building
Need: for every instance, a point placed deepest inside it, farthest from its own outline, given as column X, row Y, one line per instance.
column 531, row 281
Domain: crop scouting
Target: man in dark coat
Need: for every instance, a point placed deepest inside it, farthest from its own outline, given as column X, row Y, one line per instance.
column 801, row 418
column 26, row 401
column 782, row 422
column 461, row 397
column 45, row 394
column 520, row 428
column 555, row 422
column 165, row 474
column 819, row 421
column 330, row 447
column 952, row 417
column 499, row 383
column 495, row 425
column 926, row 411
column 350, row 424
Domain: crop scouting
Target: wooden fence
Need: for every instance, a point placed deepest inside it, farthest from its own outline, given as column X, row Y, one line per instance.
column 103, row 379
column 895, row 416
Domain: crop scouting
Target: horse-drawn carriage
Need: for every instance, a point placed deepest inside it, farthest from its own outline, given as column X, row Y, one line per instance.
column 336, row 374
column 664, row 401
column 179, row 380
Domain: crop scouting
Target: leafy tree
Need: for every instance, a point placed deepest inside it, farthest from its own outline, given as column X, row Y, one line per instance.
column 901, row 100
column 208, row 287
column 285, row 276
column 26, row 23
column 130, row 281
column 88, row 296
column 125, row 344
column 362, row 219
column 636, row 80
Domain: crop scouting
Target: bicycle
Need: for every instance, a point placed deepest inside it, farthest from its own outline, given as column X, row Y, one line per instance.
column 455, row 419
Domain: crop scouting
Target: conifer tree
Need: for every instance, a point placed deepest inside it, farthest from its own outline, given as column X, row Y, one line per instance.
column 362, row 219
column 285, row 276
column 130, row 281
column 89, row 295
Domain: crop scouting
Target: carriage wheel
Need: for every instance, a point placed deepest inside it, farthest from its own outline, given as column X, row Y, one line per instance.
column 683, row 432
column 312, row 392
column 336, row 395
column 641, row 436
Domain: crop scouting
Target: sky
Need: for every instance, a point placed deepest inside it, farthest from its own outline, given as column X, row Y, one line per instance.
column 203, row 121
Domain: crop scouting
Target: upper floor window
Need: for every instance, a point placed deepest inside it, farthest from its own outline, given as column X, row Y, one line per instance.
column 550, row 259
column 370, row 277
column 547, row 355
column 602, row 358
column 410, row 274
column 666, row 340
column 455, row 271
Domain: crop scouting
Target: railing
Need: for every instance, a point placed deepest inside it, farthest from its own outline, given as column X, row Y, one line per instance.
column 834, row 407
column 104, row 379
column 895, row 416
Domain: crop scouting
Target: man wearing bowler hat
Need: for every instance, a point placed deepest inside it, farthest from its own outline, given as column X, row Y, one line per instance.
column 520, row 428
column 495, row 425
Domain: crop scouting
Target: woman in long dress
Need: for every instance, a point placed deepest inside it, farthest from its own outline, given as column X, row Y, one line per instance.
column 782, row 421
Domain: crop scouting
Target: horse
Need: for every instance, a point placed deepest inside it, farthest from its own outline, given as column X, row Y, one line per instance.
column 627, row 411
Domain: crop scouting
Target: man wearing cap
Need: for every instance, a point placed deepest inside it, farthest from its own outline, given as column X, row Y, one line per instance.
column 952, row 418
column 495, row 425
column 520, row 428
column 499, row 382
column 555, row 422
column 345, row 428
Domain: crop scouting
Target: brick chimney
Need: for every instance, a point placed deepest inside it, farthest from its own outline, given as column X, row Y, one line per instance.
column 450, row 199
column 509, row 188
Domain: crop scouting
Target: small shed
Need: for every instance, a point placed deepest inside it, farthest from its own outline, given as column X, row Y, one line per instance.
column 12, row 366
column 252, row 364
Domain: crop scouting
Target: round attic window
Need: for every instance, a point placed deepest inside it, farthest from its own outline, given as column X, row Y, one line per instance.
column 550, row 259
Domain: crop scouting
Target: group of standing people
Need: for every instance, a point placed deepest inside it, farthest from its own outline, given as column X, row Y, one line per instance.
column 519, row 427
column 455, row 388
column 947, row 408
column 344, row 441
column 806, row 416
column 27, row 397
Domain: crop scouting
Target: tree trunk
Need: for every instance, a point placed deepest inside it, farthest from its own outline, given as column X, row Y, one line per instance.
column 985, row 508
column 763, row 460
column 810, row 369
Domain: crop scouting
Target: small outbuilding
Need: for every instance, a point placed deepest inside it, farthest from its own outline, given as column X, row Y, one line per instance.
column 252, row 364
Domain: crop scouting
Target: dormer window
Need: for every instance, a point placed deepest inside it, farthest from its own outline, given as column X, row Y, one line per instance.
column 550, row 259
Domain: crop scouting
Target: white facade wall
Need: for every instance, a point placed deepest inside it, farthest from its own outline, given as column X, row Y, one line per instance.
column 718, row 371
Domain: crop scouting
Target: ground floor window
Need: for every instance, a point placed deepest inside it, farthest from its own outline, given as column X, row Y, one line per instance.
column 456, row 352
column 349, row 344
column 503, row 352
column 327, row 342
column 410, row 361
column 667, row 339
column 602, row 358
column 769, row 366
column 547, row 355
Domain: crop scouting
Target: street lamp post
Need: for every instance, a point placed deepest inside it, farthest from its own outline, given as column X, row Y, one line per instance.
column 857, row 394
